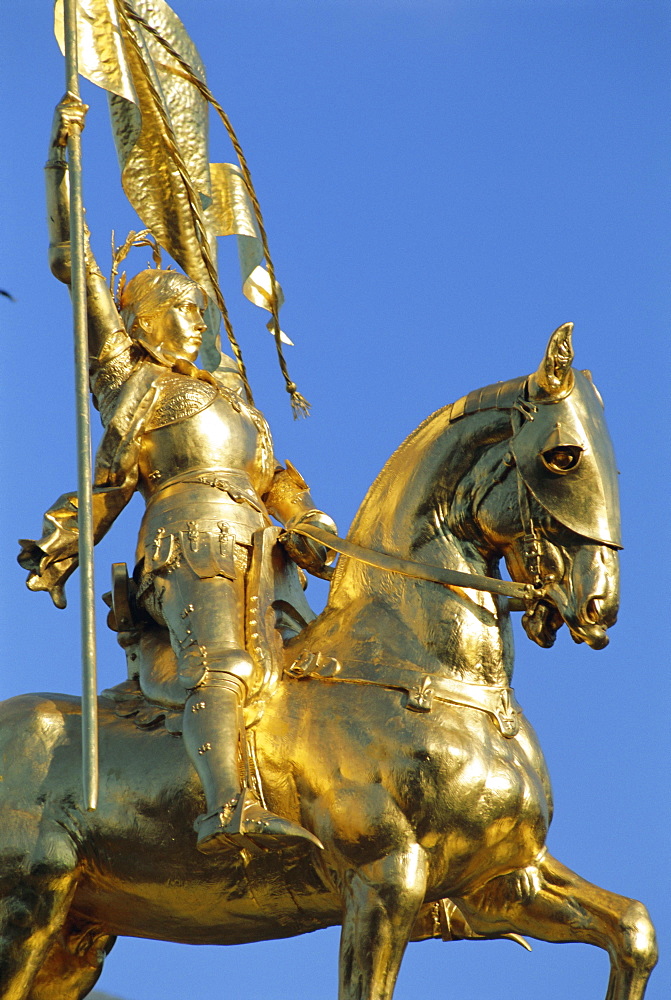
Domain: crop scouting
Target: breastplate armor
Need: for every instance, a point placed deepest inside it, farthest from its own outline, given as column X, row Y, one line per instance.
column 193, row 426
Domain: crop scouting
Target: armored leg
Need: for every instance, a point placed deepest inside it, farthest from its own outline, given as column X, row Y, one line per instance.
column 217, row 673
column 212, row 731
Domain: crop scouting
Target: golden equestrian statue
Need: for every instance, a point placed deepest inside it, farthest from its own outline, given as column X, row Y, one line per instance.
column 394, row 736
column 265, row 772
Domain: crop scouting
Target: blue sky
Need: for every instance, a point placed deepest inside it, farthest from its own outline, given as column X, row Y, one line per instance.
column 443, row 184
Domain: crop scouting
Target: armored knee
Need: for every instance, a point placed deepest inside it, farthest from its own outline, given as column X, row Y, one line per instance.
column 235, row 662
column 200, row 664
column 232, row 669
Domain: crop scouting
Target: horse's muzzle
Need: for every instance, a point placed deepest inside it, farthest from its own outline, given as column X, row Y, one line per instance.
column 588, row 601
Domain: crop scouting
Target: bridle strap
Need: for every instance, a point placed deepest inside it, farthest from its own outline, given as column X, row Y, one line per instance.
column 531, row 541
column 418, row 571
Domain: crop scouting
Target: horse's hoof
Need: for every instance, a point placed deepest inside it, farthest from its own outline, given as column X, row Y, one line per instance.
column 250, row 825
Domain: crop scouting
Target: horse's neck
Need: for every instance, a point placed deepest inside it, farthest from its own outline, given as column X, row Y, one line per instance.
column 405, row 512
column 408, row 504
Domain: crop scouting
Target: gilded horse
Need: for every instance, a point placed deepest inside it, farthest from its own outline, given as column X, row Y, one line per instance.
column 394, row 736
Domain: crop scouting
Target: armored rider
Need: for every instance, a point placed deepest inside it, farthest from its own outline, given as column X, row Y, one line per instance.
column 201, row 455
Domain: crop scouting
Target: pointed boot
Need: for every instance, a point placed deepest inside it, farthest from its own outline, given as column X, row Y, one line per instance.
column 246, row 819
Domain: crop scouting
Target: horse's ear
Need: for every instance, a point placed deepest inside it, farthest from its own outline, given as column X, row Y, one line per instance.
column 553, row 377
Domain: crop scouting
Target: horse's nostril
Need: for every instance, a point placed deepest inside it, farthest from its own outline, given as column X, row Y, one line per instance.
column 594, row 610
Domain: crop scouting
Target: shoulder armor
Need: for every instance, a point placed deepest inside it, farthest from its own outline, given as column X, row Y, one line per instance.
column 179, row 397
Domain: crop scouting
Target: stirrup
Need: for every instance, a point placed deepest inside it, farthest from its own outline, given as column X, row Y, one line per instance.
column 243, row 820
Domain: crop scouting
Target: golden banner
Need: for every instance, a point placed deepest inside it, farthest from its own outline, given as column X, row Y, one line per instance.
column 160, row 127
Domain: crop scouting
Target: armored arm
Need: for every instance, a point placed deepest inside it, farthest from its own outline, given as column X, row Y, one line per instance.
column 289, row 500
column 51, row 560
column 107, row 336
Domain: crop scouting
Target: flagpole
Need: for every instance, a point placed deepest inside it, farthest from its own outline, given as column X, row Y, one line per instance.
column 84, row 464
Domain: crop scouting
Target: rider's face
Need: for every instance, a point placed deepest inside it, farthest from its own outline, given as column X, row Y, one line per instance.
column 178, row 329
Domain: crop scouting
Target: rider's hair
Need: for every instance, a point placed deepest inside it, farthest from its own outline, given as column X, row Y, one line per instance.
column 150, row 292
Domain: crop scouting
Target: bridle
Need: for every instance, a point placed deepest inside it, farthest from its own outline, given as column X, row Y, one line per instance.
column 513, row 397
column 522, row 596
column 532, row 539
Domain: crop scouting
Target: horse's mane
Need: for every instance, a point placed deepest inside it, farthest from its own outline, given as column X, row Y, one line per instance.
column 465, row 451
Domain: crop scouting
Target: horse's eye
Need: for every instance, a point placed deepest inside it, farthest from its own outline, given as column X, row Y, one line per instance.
column 562, row 459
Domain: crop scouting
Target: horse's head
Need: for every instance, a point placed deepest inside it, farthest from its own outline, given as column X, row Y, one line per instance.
column 548, row 499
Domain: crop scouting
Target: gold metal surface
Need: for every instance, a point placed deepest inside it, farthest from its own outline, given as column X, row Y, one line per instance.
column 142, row 55
column 419, row 571
column 159, row 120
column 393, row 737
column 84, row 463
column 201, row 455
column 265, row 772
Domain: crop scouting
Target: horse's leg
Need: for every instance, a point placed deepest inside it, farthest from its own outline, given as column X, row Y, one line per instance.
column 73, row 964
column 33, row 906
column 381, row 902
column 39, row 871
column 552, row 903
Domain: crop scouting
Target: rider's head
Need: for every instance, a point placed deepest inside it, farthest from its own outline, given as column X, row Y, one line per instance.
column 165, row 310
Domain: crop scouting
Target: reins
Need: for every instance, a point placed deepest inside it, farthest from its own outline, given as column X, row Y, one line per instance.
column 524, row 592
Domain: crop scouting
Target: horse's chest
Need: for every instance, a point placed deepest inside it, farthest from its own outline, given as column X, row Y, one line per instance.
column 480, row 802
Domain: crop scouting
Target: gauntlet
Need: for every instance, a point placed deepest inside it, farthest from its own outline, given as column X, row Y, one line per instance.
column 289, row 500
column 310, row 555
